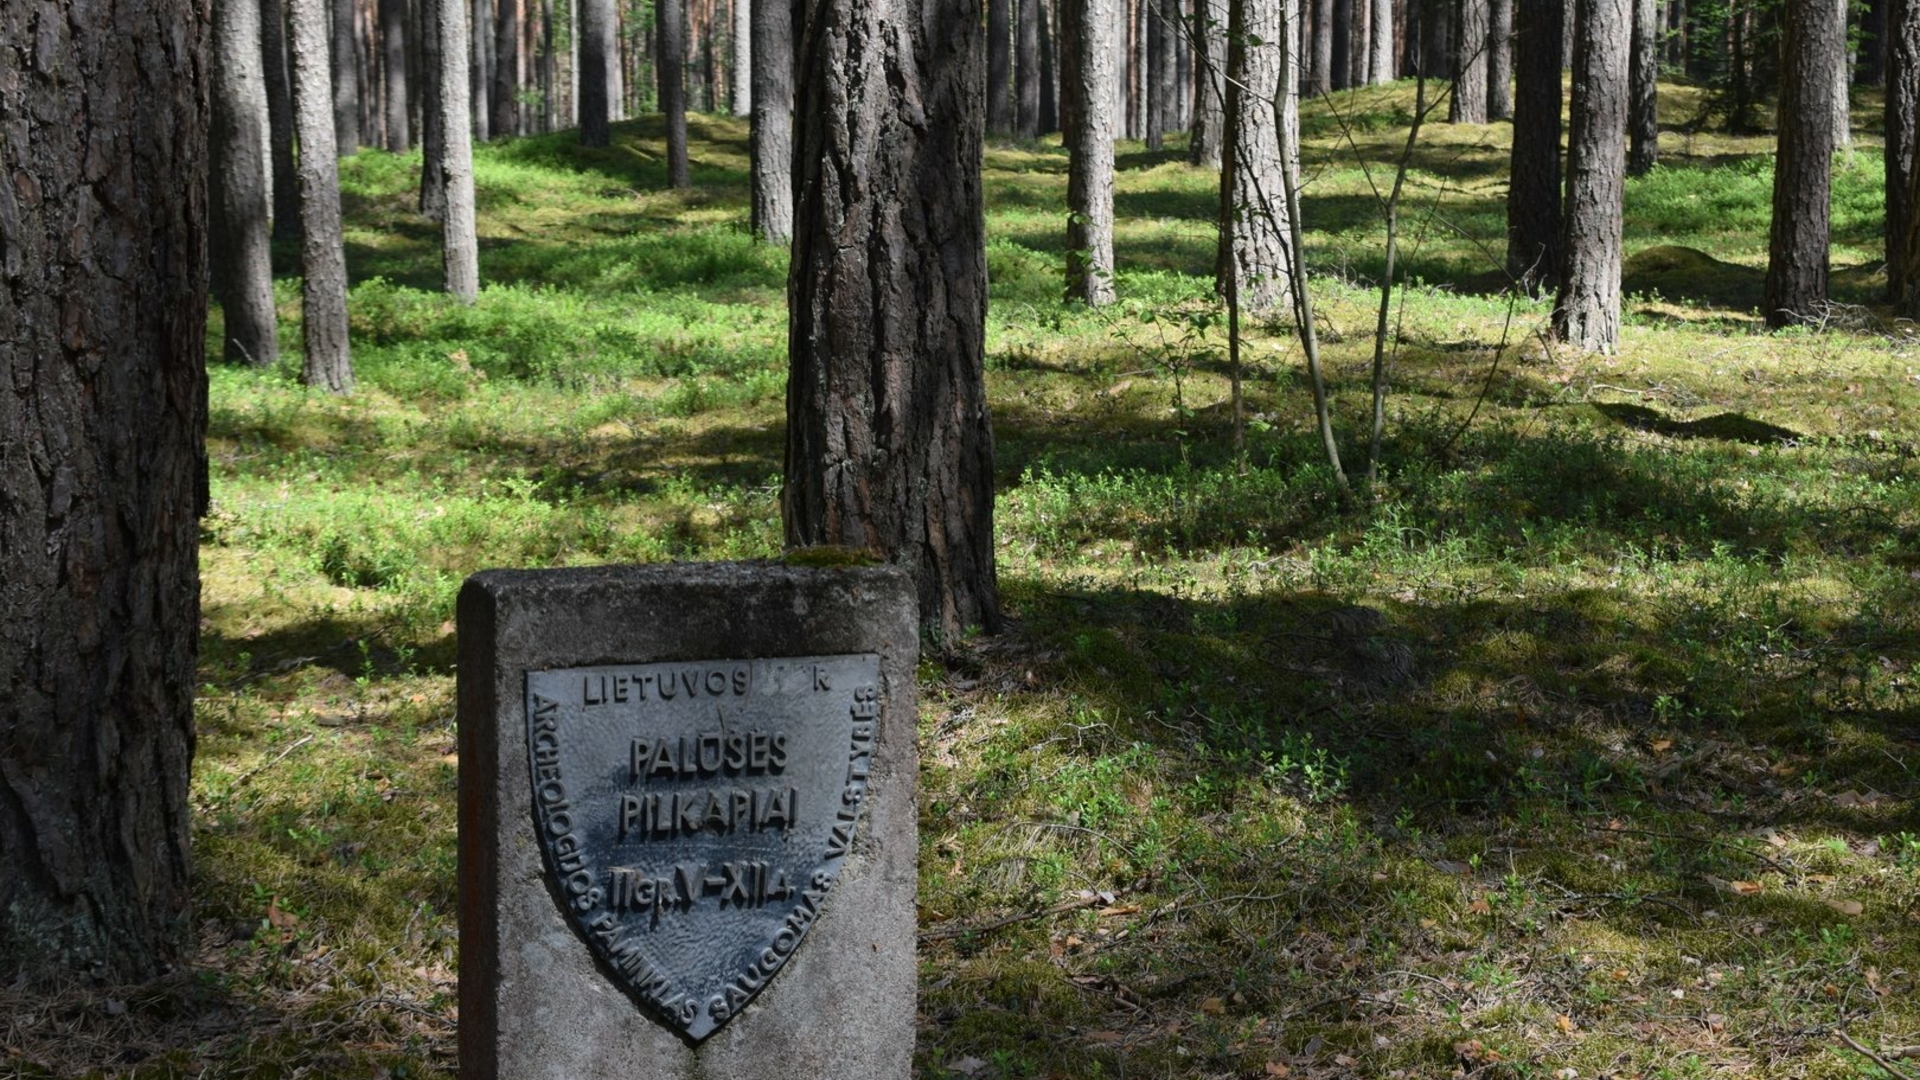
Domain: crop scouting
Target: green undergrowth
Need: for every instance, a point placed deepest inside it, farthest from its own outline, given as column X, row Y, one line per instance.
column 1583, row 747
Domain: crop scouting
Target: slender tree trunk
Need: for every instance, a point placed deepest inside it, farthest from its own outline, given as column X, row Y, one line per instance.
column 481, row 75
column 393, row 45
column 1050, row 53
column 1162, row 69
column 1902, row 109
column 273, row 59
column 742, row 68
column 1500, row 59
column 1319, row 76
column 1340, row 63
column 549, row 68
column 598, row 59
column 242, row 249
column 999, row 67
column 1437, row 24
column 1587, row 312
column 1643, row 69
column 1026, row 70
column 1087, row 30
column 1252, row 260
column 670, row 24
column 1533, row 193
column 323, row 253
column 1209, row 75
column 102, row 479
column 1469, row 102
column 1843, row 84
column 1796, row 290
column 346, row 81
column 1380, row 70
column 433, row 178
column 459, row 243
column 1870, row 69
column 889, row 447
column 773, row 121
column 506, row 68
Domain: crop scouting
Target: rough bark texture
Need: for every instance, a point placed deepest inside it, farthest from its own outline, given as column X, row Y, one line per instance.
column 506, row 68
column 323, row 255
column 433, row 178
column 1252, row 259
column 103, row 255
column 1469, row 102
column 1903, row 105
column 1587, row 312
column 1026, row 70
column 742, row 69
column 273, row 58
column 346, row 80
column 1380, row 70
column 1209, row 75
column 1842, row 70
column 1533, row 193
column 888, row 441
column 670, row 22
column 1319, row 48
column 1500, row 59
column 1643, row 73
column 1796, row 290
column 393, row 50
column 598, row 59
column 772, row 137
column 242, row 249
column 999, row 67
column 1091, row 80
column 459, row 244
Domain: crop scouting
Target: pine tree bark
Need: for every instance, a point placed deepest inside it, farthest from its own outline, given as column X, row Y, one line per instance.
column 1843, row 84
column 1050, row 54
column 459, row 241
column 242, row 248
column 1087, row 26
column 1533, row 192
column 103, row 240
column 1586, row 313
column 1209, row 128
column 393, row 48
column 1163, row 92
column 1380, row 69
column 1469, row 102
column 1796, row 289
column 433, row 179
column 1437, row 24
column 481, row 57
column 889, row 445
column 772, row 139
column 1252, row 259
column 742, row 68
column 1500, row 59
column 1903, row 131
column 273, row 58
column 670, row 22
column 1319, row 51
column 1643, row 71
column 598, row 60
column 346, row 81
column 1870, row 69
column 505, row 92
column 999, row 67
column 1026, row 70
column 323, row 253
column 1340, row 69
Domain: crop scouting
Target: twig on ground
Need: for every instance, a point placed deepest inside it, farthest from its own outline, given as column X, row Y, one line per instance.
column 1875, row 1058
column 941, row 933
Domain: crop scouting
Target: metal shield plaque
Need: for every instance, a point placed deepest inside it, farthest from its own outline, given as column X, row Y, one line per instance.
column 695, row 815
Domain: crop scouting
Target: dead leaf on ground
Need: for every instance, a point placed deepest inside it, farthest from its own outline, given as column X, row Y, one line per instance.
column 1847, row 907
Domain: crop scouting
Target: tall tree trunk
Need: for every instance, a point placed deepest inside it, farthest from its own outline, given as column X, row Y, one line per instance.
column 506, row 68
column 888, row 441
column 670, row 24
column 481, row 76
column 1087, row 26
column 346, row 80
column 999, row 67
column 1469, row 102
column 549, row 68
column 1500, row 59
column 1380, row 69
column 1209, row 129
column 772, row 140
column 323, row 253
column 598, row 59
column 393, row 43
column 273, row 57
column 1843, row 84
column 1587, row 312
column 433, row 179
column 1252, row 261
column 1340, row 63
column 1050, row 53
column 459, row 244
column 1026, row 70
column 1796, row 289
column 1437, row 24
column 1533, row 193
column 1643, row 71
column 1319, row 74
column 1870, row 68
column 242, row 249
column 742, row 68
column 102, row 478
column 1162, row 70
column 1902, row 125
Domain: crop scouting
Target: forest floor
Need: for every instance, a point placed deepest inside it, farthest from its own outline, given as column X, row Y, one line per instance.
column 1587, row 747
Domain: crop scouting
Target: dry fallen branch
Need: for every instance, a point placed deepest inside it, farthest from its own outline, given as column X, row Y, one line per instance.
column 1897, row 1074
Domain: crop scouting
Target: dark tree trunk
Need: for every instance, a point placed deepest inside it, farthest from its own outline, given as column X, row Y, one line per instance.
column 323, row 253
column 393, row 47
column 670, row 23
column 1050, row 52
column 1437, row 25
column 1469, row 102
column 1870, row 68
column 772, row 137
column 1741, row 119
column 1903, row 109
column 103, row 223
column 459, row 246
column 506, row 68
column 482, row 74
column 273, row 56
column 1587, row 312
column 1796, row 290
column 1675, row 50
column 433, row 178
column 1087, row 26
column 598, row 59
column 1319, row 73
column 1500, row 59
column 1252, row 259
column 1163, row 67
column 1340, row 71
column 1533, row 194
column 1209, row 129
column 1026, row 70
column 999, row 67
column 1380, row 70
column 346, row 80
column 1643, row 71
column 889, row 447
column 242, row 248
